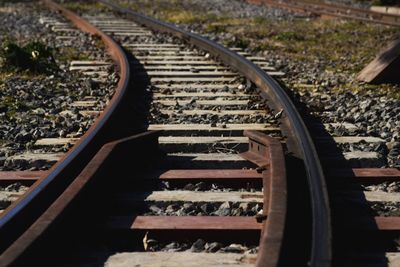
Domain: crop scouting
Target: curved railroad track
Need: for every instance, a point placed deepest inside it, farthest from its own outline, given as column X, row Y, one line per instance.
column 35, row 200
column 177, row 166
column 333, row 10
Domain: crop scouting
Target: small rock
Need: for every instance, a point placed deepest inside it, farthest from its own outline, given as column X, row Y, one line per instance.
column 393, row 187
column 172, row 247
column 155, row 209
column 198, row 246
column 213, row 247
column 189, row 187
column 391, row 145
column 225, row 205
column 207, row 208
column 171, row 208
column 244, row 206
column 234, row 248
column 201, row 186
column 188, row 207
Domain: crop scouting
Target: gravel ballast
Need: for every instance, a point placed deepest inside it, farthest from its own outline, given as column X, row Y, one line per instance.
column 34, row 106
column 39, row 106
column 320, row 58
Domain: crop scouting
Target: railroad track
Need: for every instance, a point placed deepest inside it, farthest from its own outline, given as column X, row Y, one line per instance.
column 363, row 197
column 333, row 10
column 76, row 110
column 229, row 202
column 363, row 194
column 365, row 218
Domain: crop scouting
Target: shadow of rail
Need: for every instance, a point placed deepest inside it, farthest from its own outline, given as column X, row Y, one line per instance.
column 76, row 222
column 352, row 225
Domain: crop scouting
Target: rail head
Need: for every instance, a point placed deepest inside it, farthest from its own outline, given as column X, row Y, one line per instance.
column 299, row 141
column 139, row 143
column 267, row 153
column 17, row 217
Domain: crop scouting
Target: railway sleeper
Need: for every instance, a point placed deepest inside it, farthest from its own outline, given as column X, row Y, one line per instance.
column 186, row 228
column 196, row 180
column 132, row 231
column 245, row 230
column 204, row 144
column 26, row 178
column 363, row 175
column 391, row 259
column 354, row 159
column 265, row 154
column 189, row 259
column 366, row 226
column 192, row 140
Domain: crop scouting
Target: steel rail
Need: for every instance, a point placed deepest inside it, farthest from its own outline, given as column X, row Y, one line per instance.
column 263, row 150
column 299, row 141
column 275, row 194
column 21, row 214
column 146, row 141
column 267, row 152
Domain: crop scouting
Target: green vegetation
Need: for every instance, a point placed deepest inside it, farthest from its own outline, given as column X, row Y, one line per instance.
column 179, row 16
column 85, row 6
column 334, row 46
column 339, row 42
column 71, row 53
column 11, row 105
column 381, row 89
column 216, row 27
column 303, row 40
column 98, row 42
column 34, row 57
column 172, row 11
column 289, row 36
column 386, row 2
column 239, row 41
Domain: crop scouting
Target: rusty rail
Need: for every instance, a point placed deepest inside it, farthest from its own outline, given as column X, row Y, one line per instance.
column 334, row 10
column 267, row 153
column 145, row 142
column 22, row 213
column 299, row 145
column 298, row 141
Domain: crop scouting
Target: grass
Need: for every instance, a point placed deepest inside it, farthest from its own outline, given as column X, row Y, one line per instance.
column 289, row 36
column 71, row 53
column 172, row 11
column 10, row 103
column 34, row 57
column 11, row 106
column 98, row 42
column 334, row 42
column 337, row 41
column 386, row 3
column 238, row 41
column 85, row 6
column 381, row 89
column 215, row 27
column 4, row 74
